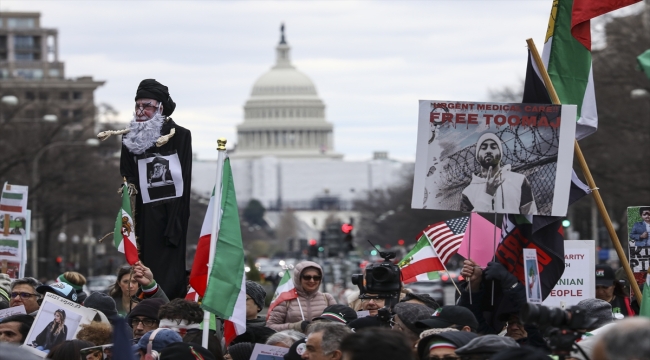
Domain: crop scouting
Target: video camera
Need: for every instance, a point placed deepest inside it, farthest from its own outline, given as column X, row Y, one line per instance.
column 562, row 327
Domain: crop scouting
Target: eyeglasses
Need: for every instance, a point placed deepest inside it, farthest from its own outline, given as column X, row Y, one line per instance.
column 145, row 322
column 309, row 277
column 645, row 214
column 23, row 295
column 446, row 357
column 146, row 107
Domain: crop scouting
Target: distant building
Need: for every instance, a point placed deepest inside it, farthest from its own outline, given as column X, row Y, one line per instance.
column 31, row 72
column 284, row 156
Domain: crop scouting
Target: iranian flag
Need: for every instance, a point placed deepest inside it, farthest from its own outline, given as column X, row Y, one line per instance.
column 124, row 233
column 567, row 55
column 225, row 293
column 286, row 291
column 14, row 198
column 420, row 263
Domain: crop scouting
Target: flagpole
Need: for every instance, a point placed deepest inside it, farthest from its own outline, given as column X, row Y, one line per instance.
column 442, row 262
column 590, row 180
column 216, row 222
column 469, row 245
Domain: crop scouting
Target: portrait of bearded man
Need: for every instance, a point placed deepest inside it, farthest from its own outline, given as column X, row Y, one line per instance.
column 160, row 226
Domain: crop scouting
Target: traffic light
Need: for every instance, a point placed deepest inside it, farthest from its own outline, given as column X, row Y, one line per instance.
column 566, row 223
column 312, row 250
column 348, row 240
column 400, row 242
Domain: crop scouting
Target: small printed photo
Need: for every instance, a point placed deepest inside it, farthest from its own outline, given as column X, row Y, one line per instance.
column 161, row 177
column 638, row 228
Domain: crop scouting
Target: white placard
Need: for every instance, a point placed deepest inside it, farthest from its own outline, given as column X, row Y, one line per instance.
column 161, row 177
column 268, row 352
column 12, row 311
column 578, row 281
column 533, row 287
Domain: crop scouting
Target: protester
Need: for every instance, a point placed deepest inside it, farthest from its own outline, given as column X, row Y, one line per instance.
column 284, row 338
column 181, row 316
column 404, row 319
column 255, row 298
column 483, row 347
column 324, row 341
column 14, row 328
column 144, row 317
column 77, row 281
column 161, row 223
column 69, row 349
column 23, row 292
column 122, row 291
column 610, row 290
column 54, row 333
column 528, row 353
column 254, row 335
column 295, row 314
column 184, row 351
column 241, row 351
column 372, row 305
column 444, row 344
column 457, row 317
column 296, row 350
column 214, row 343
column 102, row 303
column 599, row 309
column 5, row 290
column 376, row 344
column 423, row 299
column 337, row 313
column 96, row 332
column 625, row 340
column 367, row 322
column 161, row 339
column 58, row 288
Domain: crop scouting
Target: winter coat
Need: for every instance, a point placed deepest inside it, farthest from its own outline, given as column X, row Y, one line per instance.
column 286, row 314
column 47, row 339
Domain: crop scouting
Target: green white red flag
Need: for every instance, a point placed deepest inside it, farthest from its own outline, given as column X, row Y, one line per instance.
column 225, row 294
column 14, row 199
column 286, row 291
column 645, row 301
column 124, row 233
column 567, row 55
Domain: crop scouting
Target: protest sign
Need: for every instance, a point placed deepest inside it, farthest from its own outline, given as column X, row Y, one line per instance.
column 14, row 199
column 533, row 288
column 12, row 255
column 97, row 352
column 57, row 320
column 17, row 224
column 268, row 352
column 578, row 280
column 484, row 238
column 12, row 311
column 491, row 157
column 638, row 228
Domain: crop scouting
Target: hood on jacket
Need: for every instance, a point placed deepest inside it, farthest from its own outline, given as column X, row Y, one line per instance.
column 297, row 273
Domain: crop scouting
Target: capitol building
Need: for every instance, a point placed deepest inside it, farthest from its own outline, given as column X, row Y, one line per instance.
column 285, row 156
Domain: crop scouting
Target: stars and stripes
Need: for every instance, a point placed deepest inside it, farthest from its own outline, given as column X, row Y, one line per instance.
column 447, row 236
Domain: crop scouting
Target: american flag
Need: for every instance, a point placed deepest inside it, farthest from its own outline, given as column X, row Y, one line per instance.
column 446, row 236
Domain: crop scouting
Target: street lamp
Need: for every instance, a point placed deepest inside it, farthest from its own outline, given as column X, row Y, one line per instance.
column 89, row 142
column 639, row 93
column 9, row 100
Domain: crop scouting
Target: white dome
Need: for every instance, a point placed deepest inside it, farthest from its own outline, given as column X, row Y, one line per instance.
column 283, row 81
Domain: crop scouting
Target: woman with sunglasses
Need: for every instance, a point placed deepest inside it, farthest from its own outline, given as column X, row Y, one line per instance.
column 295, row 314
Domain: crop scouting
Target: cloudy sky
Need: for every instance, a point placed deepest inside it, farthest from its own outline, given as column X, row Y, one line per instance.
column 370, row 60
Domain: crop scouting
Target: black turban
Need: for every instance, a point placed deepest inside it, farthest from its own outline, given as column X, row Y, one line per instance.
column 152, row 89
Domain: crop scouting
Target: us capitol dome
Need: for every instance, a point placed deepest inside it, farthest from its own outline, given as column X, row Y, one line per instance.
column 284, row 117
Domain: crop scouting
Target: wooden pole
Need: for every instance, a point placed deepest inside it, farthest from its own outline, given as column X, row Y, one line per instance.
column 590, row 180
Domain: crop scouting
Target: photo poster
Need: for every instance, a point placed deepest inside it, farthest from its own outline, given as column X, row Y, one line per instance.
column 268, row 352
column 14, row 199
column 523, row 164
column 18, row 224
column 100, row 352
column 533, row 286
column 578, row 282
column 12, row 255
column 53, row 312
column 161, row 177
column 638, row 230
column 12, row 311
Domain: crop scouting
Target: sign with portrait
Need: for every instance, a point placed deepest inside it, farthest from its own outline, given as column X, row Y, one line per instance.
column 532, row 282
column 638, row 228
column 494, row 157
column 161, row 176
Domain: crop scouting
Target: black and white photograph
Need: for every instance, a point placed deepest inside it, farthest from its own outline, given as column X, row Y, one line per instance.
column 160, row 177
column 57, row 320
column 494, row 158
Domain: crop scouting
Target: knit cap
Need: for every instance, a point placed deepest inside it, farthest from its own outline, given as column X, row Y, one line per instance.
column 102, row 302
column 147, row 308
column 487, row 344
column 411, row 313
column 599, row 309
column 256, row 292
column 185, row 351
column 241, row 351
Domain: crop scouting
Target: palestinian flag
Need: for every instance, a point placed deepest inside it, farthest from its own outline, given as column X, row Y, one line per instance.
column 124, row 233
column 645, row 301
column 286, row 291
column 225, row 294
column 567, row 55
column 14, row 199
column 420, row 263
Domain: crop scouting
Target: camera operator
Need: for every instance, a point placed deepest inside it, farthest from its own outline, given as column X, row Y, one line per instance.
column 405, row 315
column 509, row 297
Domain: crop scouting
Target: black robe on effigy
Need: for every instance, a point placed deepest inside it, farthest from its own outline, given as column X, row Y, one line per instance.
column 161, row 226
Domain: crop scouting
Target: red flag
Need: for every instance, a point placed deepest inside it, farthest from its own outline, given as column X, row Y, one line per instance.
column 585, row 10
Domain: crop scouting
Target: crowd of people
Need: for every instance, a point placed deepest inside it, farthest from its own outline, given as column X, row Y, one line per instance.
column 314, row 326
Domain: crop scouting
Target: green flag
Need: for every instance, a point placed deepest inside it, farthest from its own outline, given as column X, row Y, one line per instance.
column 645, row 300
column 644, row 62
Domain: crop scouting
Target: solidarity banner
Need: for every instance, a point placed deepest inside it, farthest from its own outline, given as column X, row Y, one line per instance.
column 578, row 281
column 494, row 157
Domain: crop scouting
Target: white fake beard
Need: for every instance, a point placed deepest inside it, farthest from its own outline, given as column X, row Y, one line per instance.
column 143, row 134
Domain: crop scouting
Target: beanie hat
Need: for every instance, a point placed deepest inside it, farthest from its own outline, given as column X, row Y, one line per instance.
column 163, row 338
column 185, row 351
column 241, row 351
column 5, row 286
column 488, row 136
column 256, row 292
column 411, row 313
column 102, row 302
column 487, row 344
column 62, row 278
column 296, row 350
column 147, row 308
column 599, row 309
column 254, row 334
